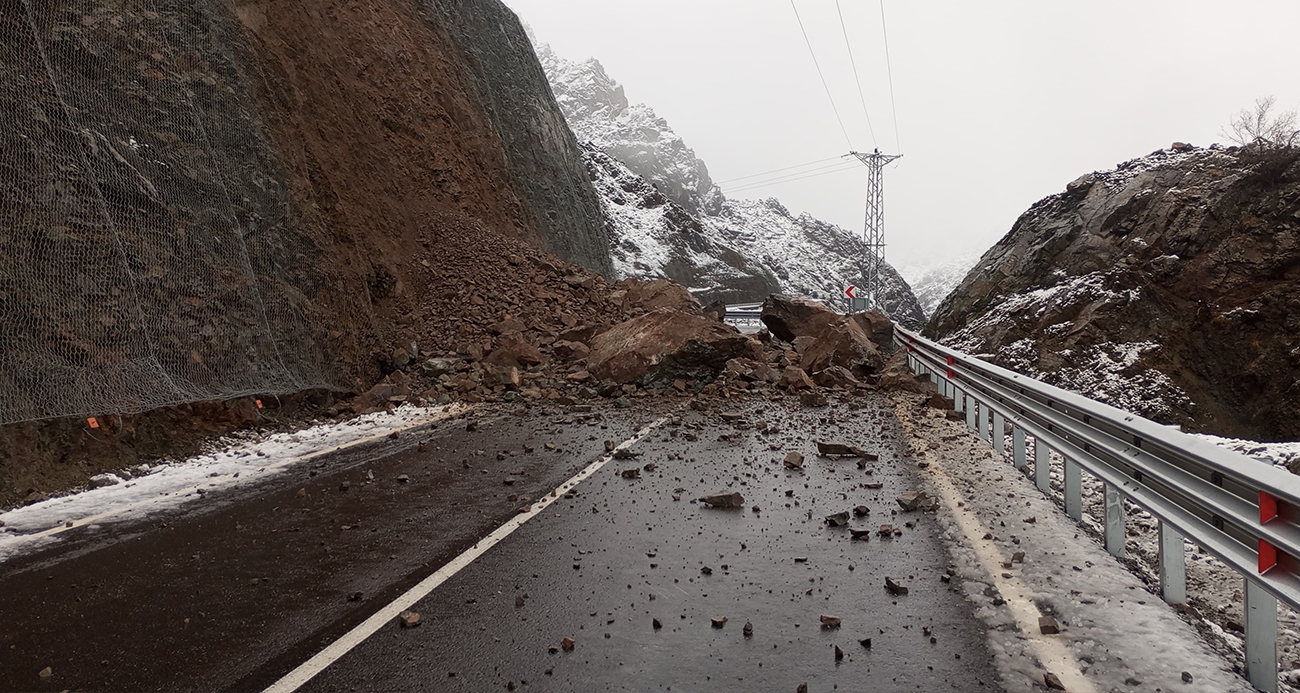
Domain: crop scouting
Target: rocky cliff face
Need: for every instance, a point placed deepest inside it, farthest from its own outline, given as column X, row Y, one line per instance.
column 666, row 218
column 1169, row 286
column 262, row 204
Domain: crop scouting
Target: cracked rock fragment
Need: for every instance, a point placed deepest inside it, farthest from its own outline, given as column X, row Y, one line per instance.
column 793, row 460
column 911, row 500
column 838, row 519
column 894, row 588
column 409, row 619
column 724, row 500
column 829, row 622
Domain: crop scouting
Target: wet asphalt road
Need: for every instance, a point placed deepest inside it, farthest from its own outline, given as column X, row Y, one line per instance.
column 234, row 593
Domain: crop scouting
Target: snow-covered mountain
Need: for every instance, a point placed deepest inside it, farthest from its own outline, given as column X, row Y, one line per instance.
column 666, row 218
column 933, row 283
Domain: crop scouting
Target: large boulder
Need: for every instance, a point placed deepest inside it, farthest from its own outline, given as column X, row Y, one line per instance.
column 878, row 327
column 654, row 294
column 788, row 317
column 667, row 344
column 845, row 344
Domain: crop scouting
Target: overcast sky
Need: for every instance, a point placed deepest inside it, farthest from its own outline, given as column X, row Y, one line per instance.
column 999, row 102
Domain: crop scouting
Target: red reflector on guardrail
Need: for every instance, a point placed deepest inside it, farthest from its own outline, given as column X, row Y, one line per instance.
column 1267, row 507
column 1267, row 556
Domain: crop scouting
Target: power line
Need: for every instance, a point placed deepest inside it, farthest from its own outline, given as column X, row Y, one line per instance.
column 819, row 74
column 796, row 173
column 790, row 180
column 893, row 105
column 862, row 97
column 778, row 170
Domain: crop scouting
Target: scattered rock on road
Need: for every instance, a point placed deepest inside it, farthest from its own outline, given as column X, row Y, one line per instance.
column 1052, row 682
column 724, row 500
column 911, row 500
column 409, row 619
column 813, row 399
column 748, row 632
column 567, row 644
column 829, row 621
column 1048, row 625
column 793, row 460
column 719, row 621
column 838, row 519
column 861, row 511
column 632, row 473
column 895, row 588
column 46, row 673
column 860, row 534
column 841, row 449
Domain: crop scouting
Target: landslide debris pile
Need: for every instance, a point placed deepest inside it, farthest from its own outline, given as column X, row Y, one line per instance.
column 562, row 334
column 666, row 218
column 1169, row 286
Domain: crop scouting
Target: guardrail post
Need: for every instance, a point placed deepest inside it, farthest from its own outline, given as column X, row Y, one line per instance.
column 957, row 397
column 1073, row 490
column 1173, row 566
column 1114, row 522
column 970, row 412
column 983, row 425
column 1042, row 466
column 999, row 433
column 1018, row 446
column 1260, row 616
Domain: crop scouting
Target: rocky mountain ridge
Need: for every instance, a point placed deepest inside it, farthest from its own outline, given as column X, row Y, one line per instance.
column 1169, row 286
column 666, row 217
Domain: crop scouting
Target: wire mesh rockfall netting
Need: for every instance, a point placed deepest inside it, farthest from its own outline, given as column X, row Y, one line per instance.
column 147, row 257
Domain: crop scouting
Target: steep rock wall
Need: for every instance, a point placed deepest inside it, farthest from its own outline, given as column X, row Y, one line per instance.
column 204, row 200
column 1169, row 286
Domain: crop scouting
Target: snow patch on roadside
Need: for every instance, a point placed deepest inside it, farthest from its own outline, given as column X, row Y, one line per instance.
column 1284, row 455
column 168, row 485
column 1118, row 630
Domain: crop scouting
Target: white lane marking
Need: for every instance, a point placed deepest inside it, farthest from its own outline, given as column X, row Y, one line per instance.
column 93, row 519
column 294, row 680
column 1053, row 653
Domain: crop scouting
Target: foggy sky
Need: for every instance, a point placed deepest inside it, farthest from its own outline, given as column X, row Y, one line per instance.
column 999, row 102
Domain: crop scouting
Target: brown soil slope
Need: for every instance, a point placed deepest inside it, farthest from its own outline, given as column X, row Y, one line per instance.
column 214, row 200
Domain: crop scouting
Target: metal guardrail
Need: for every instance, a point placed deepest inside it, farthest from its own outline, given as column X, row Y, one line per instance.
column 1241, row 510
column 744, row 313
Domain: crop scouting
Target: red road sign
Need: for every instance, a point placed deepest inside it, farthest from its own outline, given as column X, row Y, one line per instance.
column 849, row 291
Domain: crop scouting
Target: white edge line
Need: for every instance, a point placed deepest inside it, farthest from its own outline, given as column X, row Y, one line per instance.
column 92, row 519
column 295, row 679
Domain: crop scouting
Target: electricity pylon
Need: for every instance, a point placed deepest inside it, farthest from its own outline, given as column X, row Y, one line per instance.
column 874, row 229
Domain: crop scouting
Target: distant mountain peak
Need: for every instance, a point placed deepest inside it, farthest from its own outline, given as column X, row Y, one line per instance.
column 666, row 218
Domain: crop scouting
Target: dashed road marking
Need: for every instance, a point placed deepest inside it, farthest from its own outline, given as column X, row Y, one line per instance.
column 337, row 649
